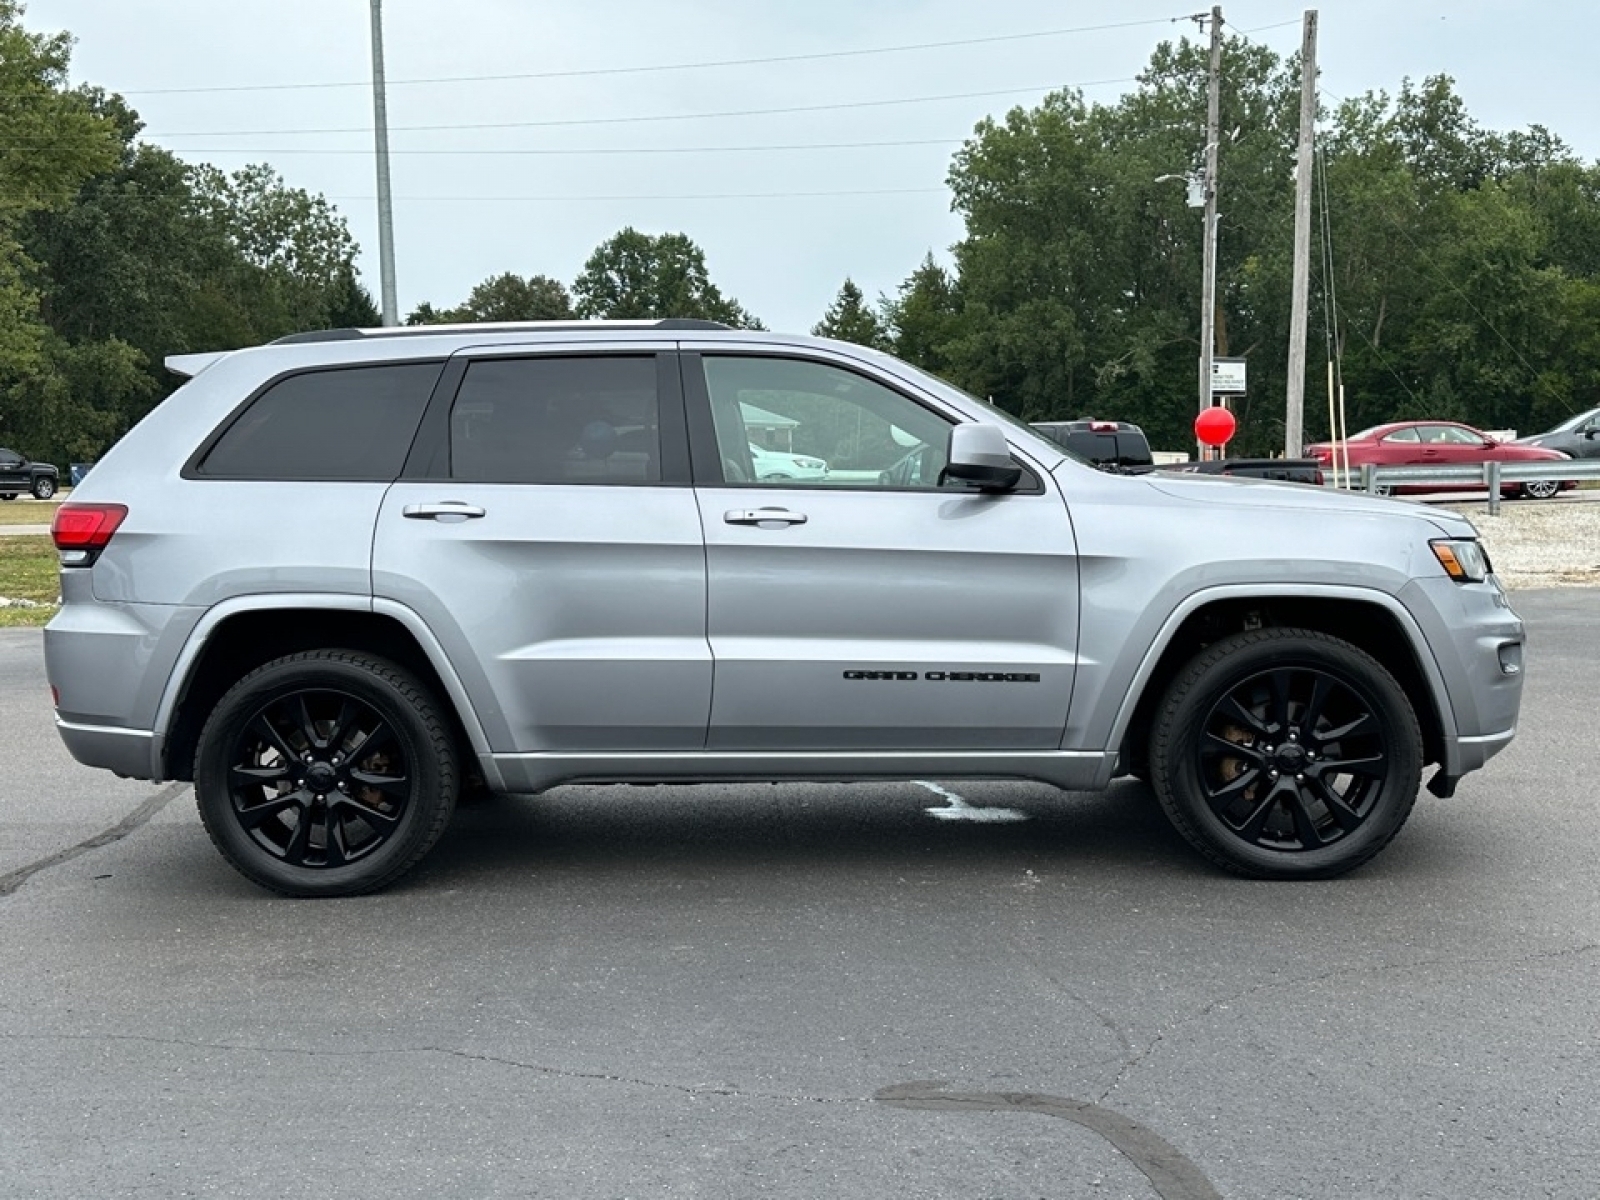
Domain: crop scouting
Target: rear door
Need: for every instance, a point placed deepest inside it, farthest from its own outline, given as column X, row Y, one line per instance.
column 546, row 531
column 12, row 477
column 873, row 607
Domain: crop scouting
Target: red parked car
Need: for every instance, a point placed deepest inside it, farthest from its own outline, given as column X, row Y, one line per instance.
column 1439, row 443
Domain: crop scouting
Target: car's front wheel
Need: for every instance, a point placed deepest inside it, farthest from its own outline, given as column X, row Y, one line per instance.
column 326, row 773
column 44, row 488
column 1541, row 489
column 1286, row 754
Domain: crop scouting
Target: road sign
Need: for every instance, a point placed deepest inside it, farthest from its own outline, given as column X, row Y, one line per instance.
column 1227, row 377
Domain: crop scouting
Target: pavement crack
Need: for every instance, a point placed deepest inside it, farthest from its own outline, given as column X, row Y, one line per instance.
column 13, row 880
column 1137, row 1059
column 687, row 1089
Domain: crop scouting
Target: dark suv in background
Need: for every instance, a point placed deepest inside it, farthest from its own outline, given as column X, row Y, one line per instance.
column 18, row 475
column 1115, row 445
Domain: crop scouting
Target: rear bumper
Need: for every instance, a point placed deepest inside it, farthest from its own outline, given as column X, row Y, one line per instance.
column 126, row 752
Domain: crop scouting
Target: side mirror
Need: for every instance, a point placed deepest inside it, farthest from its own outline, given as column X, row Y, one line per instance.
column 980, row 456
column 1591, row 432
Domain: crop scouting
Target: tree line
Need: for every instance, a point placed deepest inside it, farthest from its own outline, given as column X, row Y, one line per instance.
column 1457, row 270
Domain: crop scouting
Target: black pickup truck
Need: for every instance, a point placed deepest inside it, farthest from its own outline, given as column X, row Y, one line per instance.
column 1119, row 446
column 18, row 475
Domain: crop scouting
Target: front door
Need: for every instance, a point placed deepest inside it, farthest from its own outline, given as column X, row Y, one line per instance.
column 864, row 604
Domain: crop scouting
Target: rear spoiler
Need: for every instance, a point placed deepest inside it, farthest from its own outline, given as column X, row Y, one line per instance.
column 190, row 365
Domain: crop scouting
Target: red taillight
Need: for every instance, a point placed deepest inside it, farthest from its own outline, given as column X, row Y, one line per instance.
column 86, row 526
column 1103, row 426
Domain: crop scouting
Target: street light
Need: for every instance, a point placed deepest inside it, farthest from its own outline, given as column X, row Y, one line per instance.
column 380, row 131
column 1200, row 195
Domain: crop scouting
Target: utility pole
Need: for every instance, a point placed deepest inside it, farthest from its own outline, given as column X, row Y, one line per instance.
column 380, row 124
column 1293, row 424
column 1208, row 311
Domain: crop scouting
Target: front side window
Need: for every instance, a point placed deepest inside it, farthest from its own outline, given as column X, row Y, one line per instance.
column 1454, row 435
column 353, row 423
column 557, row 420
column 811, row 424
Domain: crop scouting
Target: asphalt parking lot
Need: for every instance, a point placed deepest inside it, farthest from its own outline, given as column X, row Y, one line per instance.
column 987, row 990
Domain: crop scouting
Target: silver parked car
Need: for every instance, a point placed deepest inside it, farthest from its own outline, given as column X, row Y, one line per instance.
column 333, row 579
column 1577, row 436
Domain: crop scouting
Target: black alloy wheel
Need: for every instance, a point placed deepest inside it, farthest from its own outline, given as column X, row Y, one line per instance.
column 1286, row 754
column 325, row 774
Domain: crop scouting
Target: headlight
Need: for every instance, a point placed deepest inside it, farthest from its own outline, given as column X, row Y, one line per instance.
column 1463, row 559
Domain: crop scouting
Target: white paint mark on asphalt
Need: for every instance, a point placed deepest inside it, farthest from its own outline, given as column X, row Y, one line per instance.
column 958, row 809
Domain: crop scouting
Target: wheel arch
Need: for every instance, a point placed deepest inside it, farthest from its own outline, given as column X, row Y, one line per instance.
column 228, row 645
column 1374, row 623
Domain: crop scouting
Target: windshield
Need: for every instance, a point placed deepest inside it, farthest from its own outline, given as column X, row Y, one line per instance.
column 1572, row 423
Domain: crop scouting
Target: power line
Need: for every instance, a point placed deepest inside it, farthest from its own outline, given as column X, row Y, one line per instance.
column 34, row 198
column 577, row 121
column 664, row 67
column 600, row 150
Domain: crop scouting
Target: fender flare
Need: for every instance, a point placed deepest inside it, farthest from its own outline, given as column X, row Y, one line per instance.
column 1195, row 601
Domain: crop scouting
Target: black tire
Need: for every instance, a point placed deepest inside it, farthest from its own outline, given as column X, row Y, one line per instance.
column 44, row 488
column 1541, row 489
column 1245, row 747
column 326, row 773
column 8, row 495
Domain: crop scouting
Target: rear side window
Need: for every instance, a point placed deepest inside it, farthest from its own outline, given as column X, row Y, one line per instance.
column 355, row 423
column 558, row 420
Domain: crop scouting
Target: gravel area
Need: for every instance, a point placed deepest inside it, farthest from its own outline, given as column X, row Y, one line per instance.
column 1536, row 543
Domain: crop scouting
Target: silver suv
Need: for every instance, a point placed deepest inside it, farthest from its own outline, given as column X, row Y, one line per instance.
column 336, row 579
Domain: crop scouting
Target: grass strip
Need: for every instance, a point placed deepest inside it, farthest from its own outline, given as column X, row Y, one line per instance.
column 29, row 570
column 27, row 514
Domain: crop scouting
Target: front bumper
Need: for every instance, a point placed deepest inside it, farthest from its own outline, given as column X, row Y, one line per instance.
column 1477, row 641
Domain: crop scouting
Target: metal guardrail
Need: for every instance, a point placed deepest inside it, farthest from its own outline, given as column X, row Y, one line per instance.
column 1494, row 476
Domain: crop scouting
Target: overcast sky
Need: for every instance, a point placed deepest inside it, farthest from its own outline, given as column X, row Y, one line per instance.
column 536, row 168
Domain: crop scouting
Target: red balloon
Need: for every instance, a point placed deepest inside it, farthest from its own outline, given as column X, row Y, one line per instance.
column 1215, row 425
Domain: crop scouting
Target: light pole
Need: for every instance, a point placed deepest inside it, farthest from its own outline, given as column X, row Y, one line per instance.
column 1208, row 317
column 380, row 129
column 1208, row 286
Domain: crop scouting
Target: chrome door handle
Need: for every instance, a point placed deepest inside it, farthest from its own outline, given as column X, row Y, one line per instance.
column 760, row 516
column 459, row 509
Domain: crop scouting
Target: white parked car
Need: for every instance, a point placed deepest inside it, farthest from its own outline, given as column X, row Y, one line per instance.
column 779, row 464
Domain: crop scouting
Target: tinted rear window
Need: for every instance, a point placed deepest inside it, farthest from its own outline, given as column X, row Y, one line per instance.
column 355, row 423
column 557, row 420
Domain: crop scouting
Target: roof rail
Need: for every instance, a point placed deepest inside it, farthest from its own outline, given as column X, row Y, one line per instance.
column 346, row 335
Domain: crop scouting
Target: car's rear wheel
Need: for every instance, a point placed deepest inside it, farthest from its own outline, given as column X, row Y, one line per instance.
column 1541, row 489
column 1286, row 754
column 326, row 773
column 44, row 488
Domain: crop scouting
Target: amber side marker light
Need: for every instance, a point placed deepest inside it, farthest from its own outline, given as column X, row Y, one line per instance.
column 81, row 531
column 1463, row 560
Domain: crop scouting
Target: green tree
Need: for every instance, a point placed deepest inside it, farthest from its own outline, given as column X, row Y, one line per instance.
column 637, row 276
column 923, row 321
column 297, row 242
column 507, row 297
column 349, row 304
column 50, row 141
column 850, row 320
